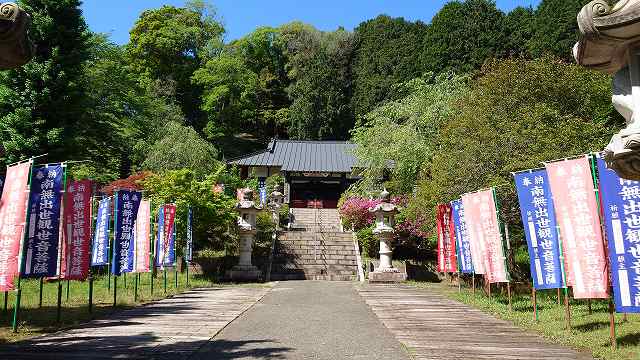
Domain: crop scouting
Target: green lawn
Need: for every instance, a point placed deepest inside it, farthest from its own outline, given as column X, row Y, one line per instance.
column 35, row 320
column 588, row 332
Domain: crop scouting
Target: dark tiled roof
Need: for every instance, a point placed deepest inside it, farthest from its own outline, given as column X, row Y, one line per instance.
column 309, row 156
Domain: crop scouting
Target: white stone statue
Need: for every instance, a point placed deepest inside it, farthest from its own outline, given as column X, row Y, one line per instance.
column 611, row 43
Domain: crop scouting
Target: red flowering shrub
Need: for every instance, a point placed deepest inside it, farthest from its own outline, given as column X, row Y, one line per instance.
column 355, row 212
column 133, row 182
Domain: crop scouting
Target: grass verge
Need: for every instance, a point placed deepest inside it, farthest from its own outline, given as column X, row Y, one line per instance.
column 35, row 320
column 589, row 332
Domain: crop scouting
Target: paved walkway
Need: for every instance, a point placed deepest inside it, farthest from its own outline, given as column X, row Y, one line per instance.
column 434, row 327
column 172, row 328
column 306, row 320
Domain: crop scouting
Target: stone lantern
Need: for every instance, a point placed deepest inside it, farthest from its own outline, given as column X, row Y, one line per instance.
column 15, row 47
column 610, row 43
column 248, row 211
column 385, row 214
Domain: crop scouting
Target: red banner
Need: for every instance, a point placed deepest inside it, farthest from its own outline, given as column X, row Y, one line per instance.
column 487, row 252
column 143, row 232
column 12, row 222
column 169, row 218
column 446, row 240
column 77, row 231
column 578, row 218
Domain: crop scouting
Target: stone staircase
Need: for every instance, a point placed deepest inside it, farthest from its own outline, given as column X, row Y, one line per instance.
column 319, row 251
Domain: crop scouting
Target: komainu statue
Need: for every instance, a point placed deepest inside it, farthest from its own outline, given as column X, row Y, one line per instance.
column 15, row 47
column 610, row 42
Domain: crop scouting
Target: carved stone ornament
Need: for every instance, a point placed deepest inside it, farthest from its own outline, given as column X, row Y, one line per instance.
column 15, row 47
column 610, row 43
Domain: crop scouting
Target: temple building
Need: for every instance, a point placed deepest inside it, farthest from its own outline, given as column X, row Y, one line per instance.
column 316, row 173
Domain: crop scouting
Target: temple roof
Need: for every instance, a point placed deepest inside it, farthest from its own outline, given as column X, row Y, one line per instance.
column 303, row 156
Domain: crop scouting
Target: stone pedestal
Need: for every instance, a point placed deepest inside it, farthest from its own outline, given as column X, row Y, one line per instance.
column 386, row 273
column 245, row 271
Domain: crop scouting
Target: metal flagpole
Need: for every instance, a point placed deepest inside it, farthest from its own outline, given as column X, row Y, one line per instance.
column 6, row 301
column 60, row 251
column 135, row 296
column 16, row 309
column 152, row 251
column 534, row 297
column 91, row 234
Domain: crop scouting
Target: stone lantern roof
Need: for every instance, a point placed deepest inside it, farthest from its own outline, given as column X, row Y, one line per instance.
column 385, row 206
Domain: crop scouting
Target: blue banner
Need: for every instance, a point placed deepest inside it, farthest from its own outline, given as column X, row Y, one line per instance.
column 41, row 250
column 539, row 220
column 463, row 244
column 159, row 251
column 127, row 204
column 100, row 247
column 621, row 208
column 189, row 252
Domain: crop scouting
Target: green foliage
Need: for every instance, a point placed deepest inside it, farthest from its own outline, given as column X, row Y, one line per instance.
column 169, row 44
column 385, row 55
column 42, row 102
column 368, row 242
column 182, row 148
column 213, row 213
column 319, row 68
column 555, row 28
column 463, row 35
column 406, row 131
column 518, row 28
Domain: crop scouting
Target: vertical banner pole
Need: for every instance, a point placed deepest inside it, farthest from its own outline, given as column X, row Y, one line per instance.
column 459, row 283
column 135, row 296
column 115, row 290
column 6, row 301
column 16, row 309
column 152, row 251
column 187, row 272
column 567, row 309
column 509, row 295
column 62, row 243
column 558, row 296
column 534, row 297
column 164, row 271
column 589, row 306
column 175, row 257
column 90, row 290
column 41, row 289
column 612, row 325
column 473, row 284
column 124, row 276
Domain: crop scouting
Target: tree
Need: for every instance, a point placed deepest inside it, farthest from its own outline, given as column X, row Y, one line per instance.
column 463, row 35
column 169, row 44
column 320, row 73
column 42, row 103
column 519, row 114
column 406, row 130
column 182, row 148
column 385, row 54
column 555, row 28
column 213, row 213
column 518, row 28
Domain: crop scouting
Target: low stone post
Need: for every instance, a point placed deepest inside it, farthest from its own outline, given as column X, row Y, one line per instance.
column 385, row 213
column 248, row 210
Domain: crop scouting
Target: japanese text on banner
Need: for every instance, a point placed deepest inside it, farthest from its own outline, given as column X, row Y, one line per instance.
column 127, row 205
column 465, row 262
column 577, row 214
column 621, row 208
column 446, row 240
column 77, row 230
column 12, row 220
column 41, row 250
column 539, row 220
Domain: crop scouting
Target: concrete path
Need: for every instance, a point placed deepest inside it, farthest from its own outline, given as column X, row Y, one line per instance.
column 172, row 328
column 306, row 320
column 434, row 327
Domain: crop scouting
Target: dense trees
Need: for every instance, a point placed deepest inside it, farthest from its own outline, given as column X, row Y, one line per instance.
column 387, row 53
column 41, row 103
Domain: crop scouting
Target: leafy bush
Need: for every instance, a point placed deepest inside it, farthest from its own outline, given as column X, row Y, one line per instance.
column 355, row 212
column 368, row 242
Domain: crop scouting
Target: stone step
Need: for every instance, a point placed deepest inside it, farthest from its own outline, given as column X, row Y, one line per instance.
column 318, row 267
column 288, row 255
column 315, row 243
column 302, row 276
column 314, row 262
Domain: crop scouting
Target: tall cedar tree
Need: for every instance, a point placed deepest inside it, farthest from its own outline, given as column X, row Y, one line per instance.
column 386, row 53
column 463, row 35
column 41, row 103
column 555, row 28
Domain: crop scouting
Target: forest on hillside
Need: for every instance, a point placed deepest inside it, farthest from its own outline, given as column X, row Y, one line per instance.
column 457, row 102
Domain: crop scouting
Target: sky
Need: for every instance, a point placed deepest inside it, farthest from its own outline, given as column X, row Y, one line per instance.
column 240, row 17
